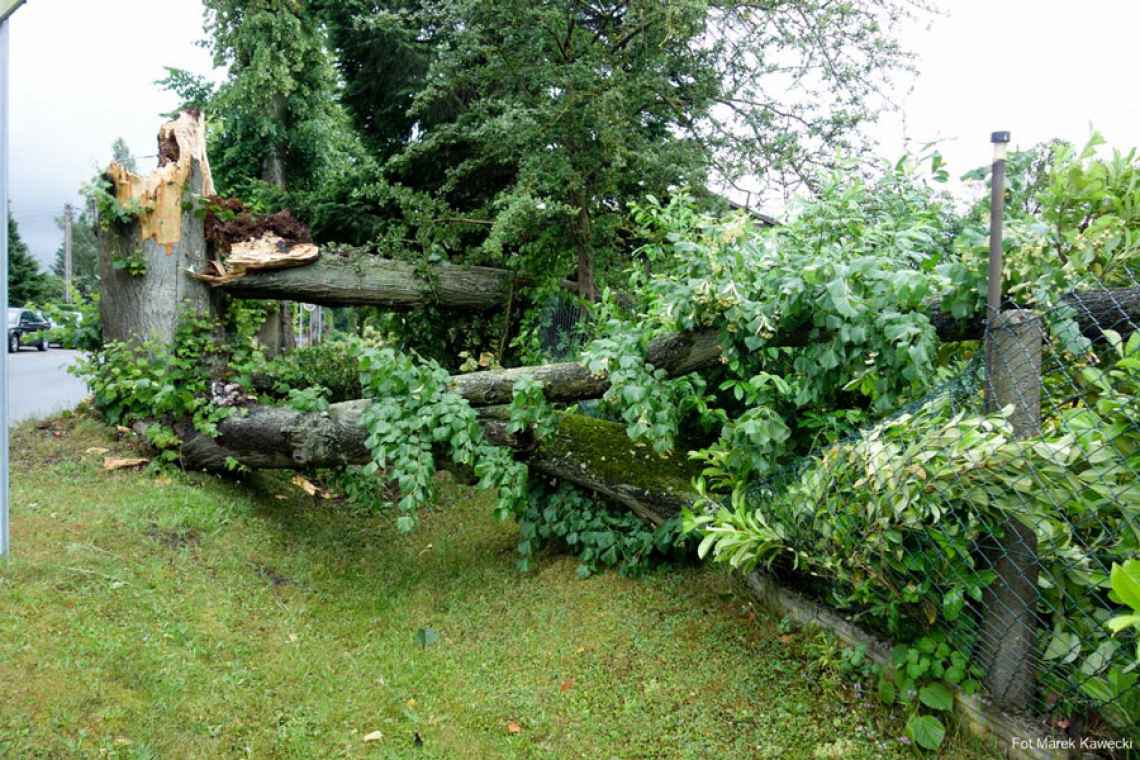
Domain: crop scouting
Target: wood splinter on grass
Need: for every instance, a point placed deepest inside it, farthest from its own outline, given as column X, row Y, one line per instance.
column 110, row 463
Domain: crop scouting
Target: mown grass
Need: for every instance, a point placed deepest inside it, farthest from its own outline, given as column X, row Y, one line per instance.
column 186, row 616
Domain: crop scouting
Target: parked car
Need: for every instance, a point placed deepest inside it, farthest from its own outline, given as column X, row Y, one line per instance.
column 22, row 322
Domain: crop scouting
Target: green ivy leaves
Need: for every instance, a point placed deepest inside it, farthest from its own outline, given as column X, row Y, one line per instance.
column 412, row 413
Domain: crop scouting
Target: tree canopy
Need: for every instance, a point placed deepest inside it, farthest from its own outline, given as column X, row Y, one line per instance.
column 523, row 130
column 520, row 135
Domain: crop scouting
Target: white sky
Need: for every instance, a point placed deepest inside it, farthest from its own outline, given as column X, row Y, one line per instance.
column 83, row 72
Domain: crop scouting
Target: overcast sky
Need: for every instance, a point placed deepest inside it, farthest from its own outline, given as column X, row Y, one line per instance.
column 83, row 73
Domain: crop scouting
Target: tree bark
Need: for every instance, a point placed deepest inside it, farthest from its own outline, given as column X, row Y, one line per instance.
column 166, row 239
column 587, row 289
column 372, row 281
column 594, row 454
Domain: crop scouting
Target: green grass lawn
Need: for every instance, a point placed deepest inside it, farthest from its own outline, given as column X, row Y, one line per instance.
column 188, row 616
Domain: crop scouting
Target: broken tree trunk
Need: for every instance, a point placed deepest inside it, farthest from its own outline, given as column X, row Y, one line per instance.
column 146, row 299
column 594, row 454
column 372, row 281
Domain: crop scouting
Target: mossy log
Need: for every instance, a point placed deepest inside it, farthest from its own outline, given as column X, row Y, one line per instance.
column 591, row 453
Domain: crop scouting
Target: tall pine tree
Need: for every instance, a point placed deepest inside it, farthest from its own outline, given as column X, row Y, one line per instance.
column 27, row 283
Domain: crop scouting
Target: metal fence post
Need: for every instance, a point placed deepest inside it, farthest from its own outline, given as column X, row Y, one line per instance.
column 1007, row 635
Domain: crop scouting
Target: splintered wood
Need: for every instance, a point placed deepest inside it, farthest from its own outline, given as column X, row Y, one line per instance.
column 266, row 252
column 160, row 193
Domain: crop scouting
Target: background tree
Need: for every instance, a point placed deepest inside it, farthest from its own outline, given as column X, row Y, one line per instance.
column 532, row 125
column 518, row 134
column 121, row 153
column 276, row 120
column 27, row 283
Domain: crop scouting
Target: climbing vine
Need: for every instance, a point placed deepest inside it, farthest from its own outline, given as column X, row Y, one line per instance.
column 413, row 412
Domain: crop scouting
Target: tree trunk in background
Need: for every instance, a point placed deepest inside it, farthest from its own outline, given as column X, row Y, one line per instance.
column 269, row 335
column 276, row 335
column 587, row 288
column 166, row 238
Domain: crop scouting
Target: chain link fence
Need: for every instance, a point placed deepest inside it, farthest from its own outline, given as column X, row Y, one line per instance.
column 993, row 510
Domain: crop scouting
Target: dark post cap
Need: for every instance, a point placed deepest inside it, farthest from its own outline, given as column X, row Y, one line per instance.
column 999, row 137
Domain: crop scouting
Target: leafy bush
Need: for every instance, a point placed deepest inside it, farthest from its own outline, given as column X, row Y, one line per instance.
column 77, row 325
column 332, row 365
column 157, row 384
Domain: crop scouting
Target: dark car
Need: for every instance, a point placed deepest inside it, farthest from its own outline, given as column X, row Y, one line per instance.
column 22, row 322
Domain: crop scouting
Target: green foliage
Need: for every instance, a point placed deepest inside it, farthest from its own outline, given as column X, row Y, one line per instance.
column 530, row 411
column 596, row 534
column 895, row 520
column 27, row 283
column 651, row 405
column 311, row 399
column 923, row 677
column 1125, row 581
column 412, row 412
column 77, row 325
column 116, row 215
column 331, row 364
column 846, row 280
column 164, row 386
column 108, row 209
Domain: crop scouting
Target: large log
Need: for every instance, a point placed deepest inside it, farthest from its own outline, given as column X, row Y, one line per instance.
column 594, row 454
column 358, row 280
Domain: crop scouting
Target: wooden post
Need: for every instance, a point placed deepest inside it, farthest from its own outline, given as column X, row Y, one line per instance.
column 143, row 263
column 1006, row 642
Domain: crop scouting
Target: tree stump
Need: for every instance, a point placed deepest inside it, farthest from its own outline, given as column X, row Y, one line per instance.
column 143, row 260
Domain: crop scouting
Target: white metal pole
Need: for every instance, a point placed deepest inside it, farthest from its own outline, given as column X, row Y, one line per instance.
column 4, row 171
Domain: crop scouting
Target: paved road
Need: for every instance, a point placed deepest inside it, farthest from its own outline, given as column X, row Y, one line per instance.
column 39, row 385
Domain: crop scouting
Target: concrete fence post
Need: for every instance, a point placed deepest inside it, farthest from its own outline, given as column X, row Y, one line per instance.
column 1008, row 629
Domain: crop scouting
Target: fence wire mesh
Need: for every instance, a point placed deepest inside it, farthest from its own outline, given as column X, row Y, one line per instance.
column 1018, row 519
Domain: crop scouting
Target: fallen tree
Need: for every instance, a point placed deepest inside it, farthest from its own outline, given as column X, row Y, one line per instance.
column 362, row 280
column 594, row 454
column 591, row 453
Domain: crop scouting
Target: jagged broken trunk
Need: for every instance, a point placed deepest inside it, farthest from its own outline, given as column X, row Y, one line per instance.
column 146, row 252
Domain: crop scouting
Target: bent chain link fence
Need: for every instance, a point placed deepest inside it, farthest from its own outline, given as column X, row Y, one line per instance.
column 1042, row 541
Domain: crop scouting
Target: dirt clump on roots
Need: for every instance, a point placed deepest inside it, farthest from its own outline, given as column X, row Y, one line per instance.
column 228, row 221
